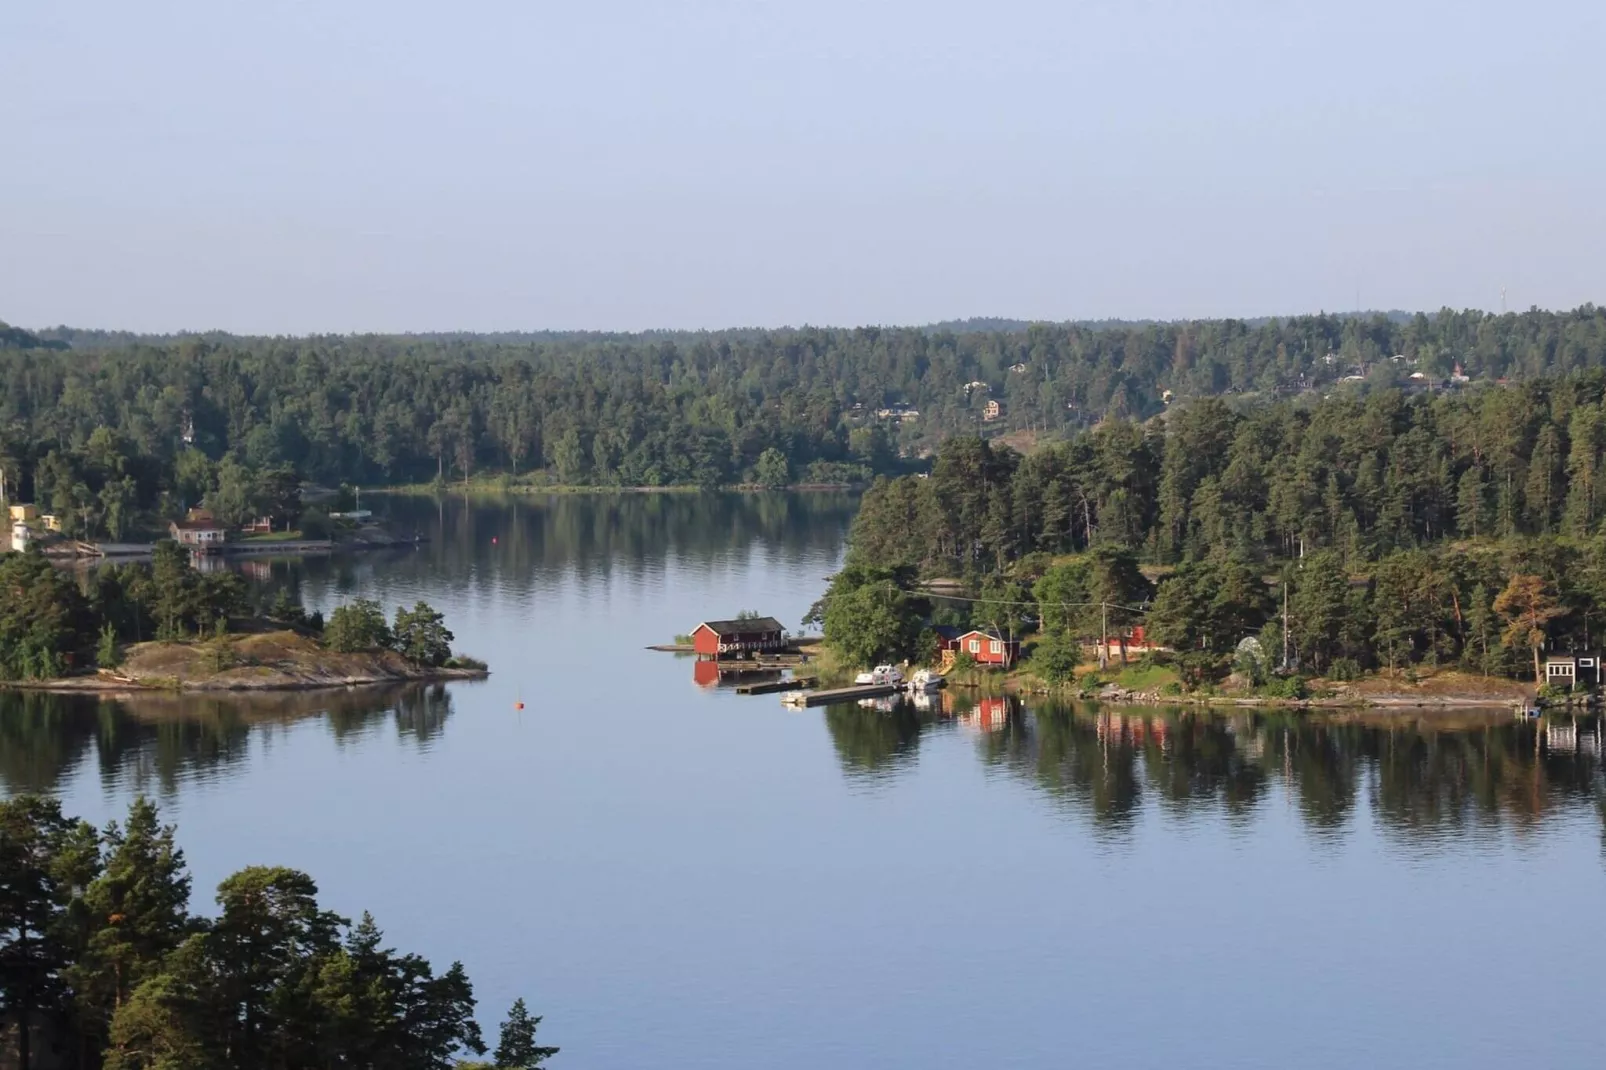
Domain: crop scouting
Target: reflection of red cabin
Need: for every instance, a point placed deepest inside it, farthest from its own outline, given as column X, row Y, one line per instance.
column 990, row 714
column 722, row 638
column 985, row 648
column 705, row 673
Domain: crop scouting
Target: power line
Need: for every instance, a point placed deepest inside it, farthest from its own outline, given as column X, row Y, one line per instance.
column 1007, row 602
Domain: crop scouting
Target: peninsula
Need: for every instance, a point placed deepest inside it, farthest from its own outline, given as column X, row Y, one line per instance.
column 163, row 625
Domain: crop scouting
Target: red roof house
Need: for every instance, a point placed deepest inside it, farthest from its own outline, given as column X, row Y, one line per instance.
column 984, row 647
column 749, row 635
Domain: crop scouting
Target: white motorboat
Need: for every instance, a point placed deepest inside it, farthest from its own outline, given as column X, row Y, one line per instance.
column 880, row 675
column 926, row 681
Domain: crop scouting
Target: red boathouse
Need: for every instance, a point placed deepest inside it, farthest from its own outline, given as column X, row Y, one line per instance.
column 727, row 638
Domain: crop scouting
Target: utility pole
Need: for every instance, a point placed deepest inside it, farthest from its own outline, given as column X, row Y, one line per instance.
column 1104, row 635
column 1285, row 621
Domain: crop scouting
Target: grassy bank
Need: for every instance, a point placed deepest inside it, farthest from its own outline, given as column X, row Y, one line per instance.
column 1154, row 681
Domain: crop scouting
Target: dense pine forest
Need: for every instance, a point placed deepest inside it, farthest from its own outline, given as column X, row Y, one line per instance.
column 744, row 406
column 105, row 965
column 1460, row 527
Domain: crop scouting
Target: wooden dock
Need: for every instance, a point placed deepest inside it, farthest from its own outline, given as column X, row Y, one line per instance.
column 773, row 686
column 849, row 694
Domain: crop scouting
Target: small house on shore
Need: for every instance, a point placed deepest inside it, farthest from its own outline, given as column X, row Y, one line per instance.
column 1573, row 670
column 200, row 534
column 984, row 647
column 746, row 635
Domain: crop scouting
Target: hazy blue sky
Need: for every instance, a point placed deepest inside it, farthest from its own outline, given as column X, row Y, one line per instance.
column 390, row 165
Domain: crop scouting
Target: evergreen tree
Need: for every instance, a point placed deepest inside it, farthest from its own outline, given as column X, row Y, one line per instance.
column 139, row 909
column 44, row 860
column 516, row 1049
column 1528, row 605
column 420, row 635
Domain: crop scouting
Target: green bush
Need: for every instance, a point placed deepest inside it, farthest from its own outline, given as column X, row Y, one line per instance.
column 1056, row 658
column 106, row 652
column 359, row 625
column 1344, row 669
column 1286, row 687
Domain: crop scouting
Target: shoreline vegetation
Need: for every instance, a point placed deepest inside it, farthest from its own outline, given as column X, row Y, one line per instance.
column 1387, row 550
column 161, row 625
column 108, row 969
column 280, row 660
column 115, row 434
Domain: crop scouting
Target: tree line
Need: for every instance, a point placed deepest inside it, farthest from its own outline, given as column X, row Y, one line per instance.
column 52, row 622
column 693, row 408
column 1455, row 528
column 104, row 965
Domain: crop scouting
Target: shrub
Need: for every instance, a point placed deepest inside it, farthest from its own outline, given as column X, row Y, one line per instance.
column 1286, row 687
column 1344, row 669
column 359, row 625
column 106, row 652
column 1056, row 657
column 315, row 524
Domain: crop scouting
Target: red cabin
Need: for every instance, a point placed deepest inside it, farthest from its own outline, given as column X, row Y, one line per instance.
column 728, row 638
column 984, row 648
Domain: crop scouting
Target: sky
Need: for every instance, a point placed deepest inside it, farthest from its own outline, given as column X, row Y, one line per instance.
column 385, row 165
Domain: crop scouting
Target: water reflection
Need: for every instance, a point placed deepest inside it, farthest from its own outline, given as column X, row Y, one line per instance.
column 1424, row 779
column 522, row 541
column 156, row 742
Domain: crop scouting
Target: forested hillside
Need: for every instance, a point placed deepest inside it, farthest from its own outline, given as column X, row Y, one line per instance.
column 763, row 406
column 1458, row 527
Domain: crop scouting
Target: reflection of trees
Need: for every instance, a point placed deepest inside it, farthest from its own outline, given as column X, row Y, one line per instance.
column 1063, row 751
column 590, row 535
column 1317, row 761
column 1419, row 779
column 872, row 742
column 1190, row 761
column 421, row 712
column 42, row 736
column 153, row 742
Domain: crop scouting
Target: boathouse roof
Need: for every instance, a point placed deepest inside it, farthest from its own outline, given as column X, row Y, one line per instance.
column 746, row 626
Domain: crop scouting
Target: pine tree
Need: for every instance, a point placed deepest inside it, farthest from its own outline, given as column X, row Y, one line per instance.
column 139, row 905
column 1472, row 503
column 1529, row 605
column 516, row 1049
column 44, row 859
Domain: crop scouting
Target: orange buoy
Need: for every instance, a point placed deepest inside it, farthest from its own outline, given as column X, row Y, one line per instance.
column 518, row 705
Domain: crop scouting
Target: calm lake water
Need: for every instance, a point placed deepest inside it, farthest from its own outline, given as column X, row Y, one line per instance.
column 677, row 876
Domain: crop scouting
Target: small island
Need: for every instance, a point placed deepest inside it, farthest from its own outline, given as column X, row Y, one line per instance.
column 163, row 625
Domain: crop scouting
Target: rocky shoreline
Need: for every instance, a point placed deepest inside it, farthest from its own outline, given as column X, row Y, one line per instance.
column 270, row 661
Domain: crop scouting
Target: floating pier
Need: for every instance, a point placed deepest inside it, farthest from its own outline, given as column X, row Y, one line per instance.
column 843, row 694
column 776, row 685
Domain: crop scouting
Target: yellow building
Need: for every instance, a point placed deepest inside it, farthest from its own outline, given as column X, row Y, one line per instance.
column 24, row 513
column 50, row 521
